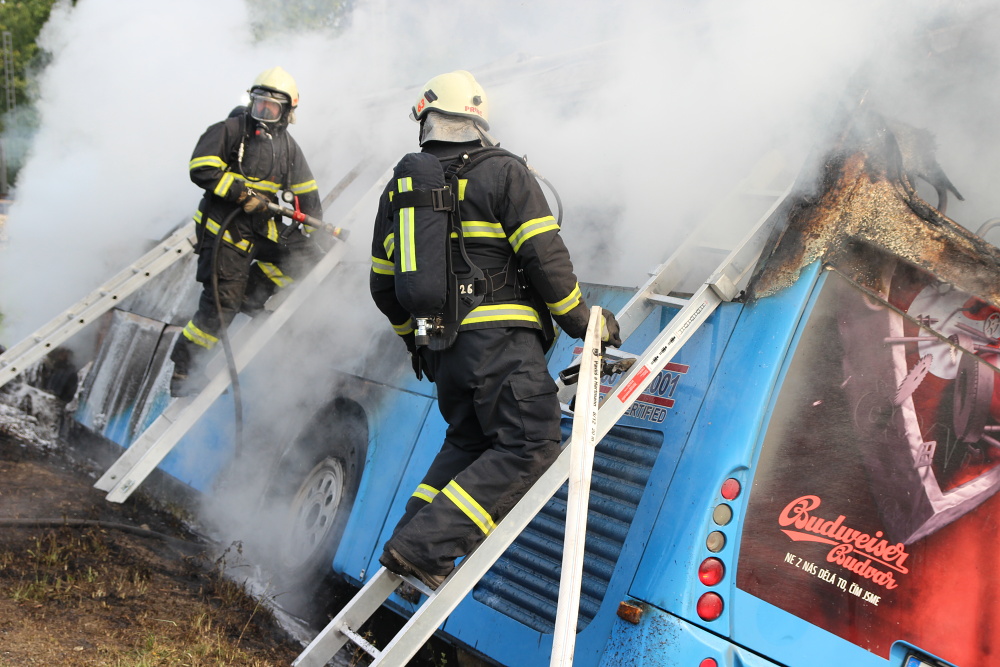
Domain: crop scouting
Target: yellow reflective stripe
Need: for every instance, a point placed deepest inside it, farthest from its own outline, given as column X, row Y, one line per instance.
column 222, row 187
column 501, row 313
column 426, row 493
column 407, row 230
column 565, row 305
column 260, row 186
column 207, row 161
column 403, row 329
column 213, row 228
column 462, row 182
column 199, row 337
column 469, row 507
column 383, row 267
column 274, row 273
column 272, row 230
column 389, row 244
column 302, row 188
column 532, row 228
column 482, row 230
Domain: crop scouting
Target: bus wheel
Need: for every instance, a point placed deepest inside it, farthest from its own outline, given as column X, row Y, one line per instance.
column 312, row 491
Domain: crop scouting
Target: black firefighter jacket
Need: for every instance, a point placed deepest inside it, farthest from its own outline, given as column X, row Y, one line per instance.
column 267, row 166
column 504, row 213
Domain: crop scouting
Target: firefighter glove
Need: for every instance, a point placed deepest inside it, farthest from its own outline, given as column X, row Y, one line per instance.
column 411, row 347
column 252, row 202
column 610, row 329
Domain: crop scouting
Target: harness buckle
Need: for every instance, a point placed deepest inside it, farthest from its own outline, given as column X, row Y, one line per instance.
column 442, row 199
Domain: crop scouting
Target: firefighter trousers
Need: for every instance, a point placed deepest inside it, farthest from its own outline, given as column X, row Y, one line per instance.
column 244, row 285
column 496, row 394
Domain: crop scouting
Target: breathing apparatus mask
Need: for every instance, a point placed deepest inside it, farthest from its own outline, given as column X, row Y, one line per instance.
column 268, row 107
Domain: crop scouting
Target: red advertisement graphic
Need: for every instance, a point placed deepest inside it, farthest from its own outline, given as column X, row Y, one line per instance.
column 874, row 511
column 658, row 397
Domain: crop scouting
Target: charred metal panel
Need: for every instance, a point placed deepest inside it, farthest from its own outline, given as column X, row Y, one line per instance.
column 171, row 296
column 114, row 397
column 866, row 200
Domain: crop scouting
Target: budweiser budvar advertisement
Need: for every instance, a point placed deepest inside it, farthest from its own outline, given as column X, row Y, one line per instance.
column 873, row 512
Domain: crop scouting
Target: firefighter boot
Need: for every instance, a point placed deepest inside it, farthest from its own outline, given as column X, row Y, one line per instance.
column 397, row 564
column 184, row 381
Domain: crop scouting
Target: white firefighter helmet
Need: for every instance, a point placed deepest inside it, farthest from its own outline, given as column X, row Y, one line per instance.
column 455, row 93
column 273, row 96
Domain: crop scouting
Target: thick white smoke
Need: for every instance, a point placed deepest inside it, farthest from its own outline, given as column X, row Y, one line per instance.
column 667, row 107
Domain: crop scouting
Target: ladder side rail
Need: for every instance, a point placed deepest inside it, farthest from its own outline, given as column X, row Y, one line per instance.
column 345, row 182
column 19, row 357
column 726, row 277
column 365, row 603
column 742, row 260
column 246, row 348
column 246, row 345
column 583, row 441
column 663, row 281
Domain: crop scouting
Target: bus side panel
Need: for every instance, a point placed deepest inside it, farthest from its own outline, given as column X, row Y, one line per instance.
column 660, row 639
column 397, row 430
column 720, row 446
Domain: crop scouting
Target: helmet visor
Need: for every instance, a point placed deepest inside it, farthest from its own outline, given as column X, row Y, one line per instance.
column 266, row 107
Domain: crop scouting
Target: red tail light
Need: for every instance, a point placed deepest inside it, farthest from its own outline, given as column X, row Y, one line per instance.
column 731, row 489
column 710, row 606
column 711, row 571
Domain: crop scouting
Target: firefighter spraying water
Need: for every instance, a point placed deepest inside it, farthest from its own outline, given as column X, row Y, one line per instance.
column 244, row 253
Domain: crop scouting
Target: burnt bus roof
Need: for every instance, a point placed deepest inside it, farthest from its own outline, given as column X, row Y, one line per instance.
column 863, row 199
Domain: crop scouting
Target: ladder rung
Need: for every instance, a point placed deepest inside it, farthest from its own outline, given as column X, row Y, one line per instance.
column 667, row 300
column 360, row 641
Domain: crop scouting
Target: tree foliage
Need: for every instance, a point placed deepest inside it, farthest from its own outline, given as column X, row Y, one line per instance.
column 24, row 19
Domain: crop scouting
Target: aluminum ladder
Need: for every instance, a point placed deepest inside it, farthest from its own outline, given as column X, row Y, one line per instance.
column 152, row 446
column 18, row 358
column 722, row 285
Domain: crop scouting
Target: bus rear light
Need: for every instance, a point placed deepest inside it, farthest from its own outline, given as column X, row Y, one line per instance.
column 715, row 542
column 723, row 514
column 711, row 571
column 731, row 489
column 710, row 606
column 708, row 662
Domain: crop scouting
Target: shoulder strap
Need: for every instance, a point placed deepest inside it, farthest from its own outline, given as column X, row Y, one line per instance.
column 465, row 161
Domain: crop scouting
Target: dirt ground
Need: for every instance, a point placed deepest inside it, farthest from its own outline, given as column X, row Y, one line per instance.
column 87, row 582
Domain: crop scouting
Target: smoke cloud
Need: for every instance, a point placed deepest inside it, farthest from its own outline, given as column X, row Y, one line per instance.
column 643, row 115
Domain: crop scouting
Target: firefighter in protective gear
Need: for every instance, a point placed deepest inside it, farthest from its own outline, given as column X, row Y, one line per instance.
column 494, row 389
column 242, row 163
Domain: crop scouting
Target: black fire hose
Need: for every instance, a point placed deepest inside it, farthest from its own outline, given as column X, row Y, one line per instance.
column 224, row 335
